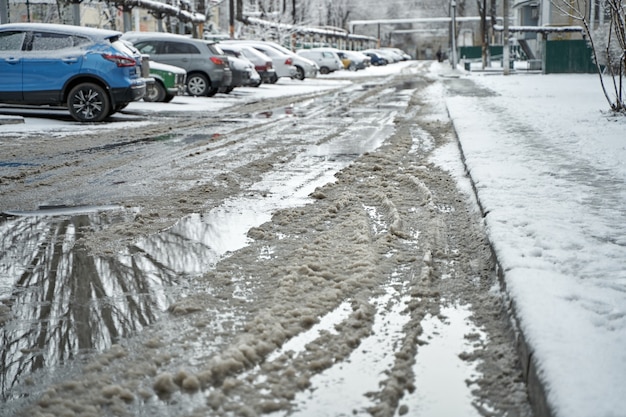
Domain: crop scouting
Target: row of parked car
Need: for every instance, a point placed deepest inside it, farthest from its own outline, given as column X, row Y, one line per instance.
column 96, row 72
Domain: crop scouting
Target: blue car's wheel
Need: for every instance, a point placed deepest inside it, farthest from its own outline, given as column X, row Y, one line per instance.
column 88, row 102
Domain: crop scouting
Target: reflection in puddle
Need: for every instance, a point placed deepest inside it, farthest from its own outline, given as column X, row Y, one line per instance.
column 58, row 300
column 60, row 211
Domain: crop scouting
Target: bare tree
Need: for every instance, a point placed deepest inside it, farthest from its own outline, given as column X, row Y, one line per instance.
column 608, row 43
column 338, row 13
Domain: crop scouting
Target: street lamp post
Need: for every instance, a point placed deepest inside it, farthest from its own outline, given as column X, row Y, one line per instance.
column 453, row 35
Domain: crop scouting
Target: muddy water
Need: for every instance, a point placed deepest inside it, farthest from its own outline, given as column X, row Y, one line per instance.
column 269, row 265
column 68, row 302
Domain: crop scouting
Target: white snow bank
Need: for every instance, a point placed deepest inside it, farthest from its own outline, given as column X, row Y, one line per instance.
column 547, row 162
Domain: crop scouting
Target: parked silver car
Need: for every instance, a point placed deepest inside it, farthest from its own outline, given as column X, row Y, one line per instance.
column 326, row 58
column 207, row 69
column 283, row 63
column 262, row 63
column 305, row 68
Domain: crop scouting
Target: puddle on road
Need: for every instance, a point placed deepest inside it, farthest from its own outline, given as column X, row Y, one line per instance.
column 279, row 112
column 441, row 375
column 342, row 389
column 13, row 164
column 58, row 301
column 409, row 85
column 59, row 211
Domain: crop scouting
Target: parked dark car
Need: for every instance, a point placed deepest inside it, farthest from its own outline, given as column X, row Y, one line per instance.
column 240, row 69
column 262, row 63
column 207, row 68
column 89, row 71
column 242, row 73
column 376, row 58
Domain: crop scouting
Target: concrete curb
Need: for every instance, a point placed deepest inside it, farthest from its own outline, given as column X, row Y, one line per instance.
column 536, row 389
column 11, row 120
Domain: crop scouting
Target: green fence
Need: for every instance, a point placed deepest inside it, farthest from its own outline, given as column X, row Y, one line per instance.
column 476, row 52
column 559, row 57
column 571, row 56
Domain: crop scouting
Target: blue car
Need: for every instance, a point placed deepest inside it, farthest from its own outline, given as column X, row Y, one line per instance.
column 375, row 58
column 89, row 71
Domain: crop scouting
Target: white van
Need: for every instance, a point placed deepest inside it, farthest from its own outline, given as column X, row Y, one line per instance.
column 326, row 59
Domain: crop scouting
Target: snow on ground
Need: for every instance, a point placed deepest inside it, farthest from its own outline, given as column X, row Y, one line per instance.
column 181, row 104
column 547, row 163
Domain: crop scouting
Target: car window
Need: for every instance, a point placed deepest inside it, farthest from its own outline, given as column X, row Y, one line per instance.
column 46, row 41
column 230, row 52
column 147, row 47
column 216, row 50
column 268, row 52
column 248, row 54
column 11, row 41
column 179, row 48
column 80, row 40
column 281, row 49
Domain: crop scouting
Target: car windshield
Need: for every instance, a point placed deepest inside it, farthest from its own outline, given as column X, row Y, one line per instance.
column 253, row 53
column 125, row 47
column 268, row 51
column 281, row 49
column 215, row 49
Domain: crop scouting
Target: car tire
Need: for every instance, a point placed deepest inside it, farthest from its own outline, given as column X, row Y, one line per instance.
column 88, row 102
column 168, row 98
column 299, row 74
column 156, row 93
column 274, row 79
column 324, row 70
column 352, row 67
column 199, row 85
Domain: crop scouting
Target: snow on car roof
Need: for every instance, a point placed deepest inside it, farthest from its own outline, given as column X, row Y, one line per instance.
column 86, row 31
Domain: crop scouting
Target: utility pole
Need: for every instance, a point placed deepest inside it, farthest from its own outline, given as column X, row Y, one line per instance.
column 126, row 18
column 485, row 34
column 75, row 12
column 4, row 11
column 505, row 47
column 231, row 18
column 454, row 58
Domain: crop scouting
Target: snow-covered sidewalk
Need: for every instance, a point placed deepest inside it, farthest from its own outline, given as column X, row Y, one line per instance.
column 547, row 161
